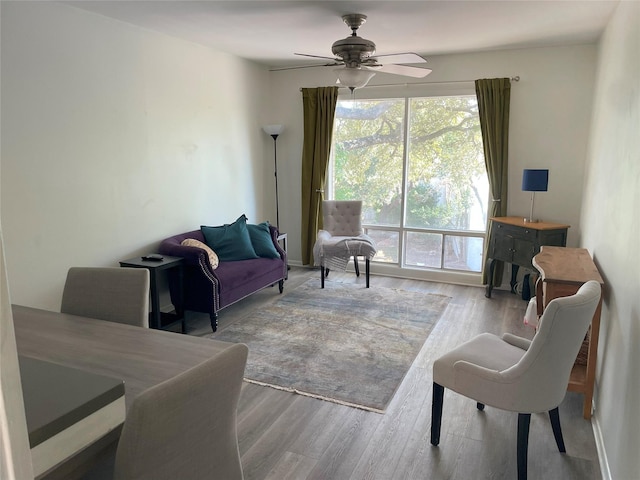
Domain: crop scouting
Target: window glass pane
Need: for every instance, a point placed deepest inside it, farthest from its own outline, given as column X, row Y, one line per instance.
column 423, row 249
column 387, row 245
column 447, row 186
column 463, row 253
column 368, row 150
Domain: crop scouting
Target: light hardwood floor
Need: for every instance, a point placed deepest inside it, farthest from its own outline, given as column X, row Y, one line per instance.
column 284, row 436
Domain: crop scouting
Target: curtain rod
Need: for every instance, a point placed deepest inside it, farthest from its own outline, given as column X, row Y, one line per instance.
column 515, row 78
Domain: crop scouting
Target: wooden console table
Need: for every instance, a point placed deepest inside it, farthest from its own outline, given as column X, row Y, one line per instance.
column 563, row 271
column 516, row 242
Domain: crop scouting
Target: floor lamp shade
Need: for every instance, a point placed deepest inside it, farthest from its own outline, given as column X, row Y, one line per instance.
column 274, row 131
column 534, row 180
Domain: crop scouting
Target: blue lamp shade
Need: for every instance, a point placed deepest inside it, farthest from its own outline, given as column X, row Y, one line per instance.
column 535, row 180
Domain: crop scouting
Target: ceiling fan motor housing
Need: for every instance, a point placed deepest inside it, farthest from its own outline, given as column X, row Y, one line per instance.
column 353, row 49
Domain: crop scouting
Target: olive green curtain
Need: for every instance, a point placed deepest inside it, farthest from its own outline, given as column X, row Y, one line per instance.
column 493, row 108
column 319, row 106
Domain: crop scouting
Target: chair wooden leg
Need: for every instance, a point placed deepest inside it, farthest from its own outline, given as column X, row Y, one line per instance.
column 366, row 269
column 524, row 419
column 436, row 413
column 554, row 416
column 322, row 269
column 356, row 265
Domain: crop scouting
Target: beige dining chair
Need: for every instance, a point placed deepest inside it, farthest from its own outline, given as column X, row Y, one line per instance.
column 516, row 374
column 342, row 238
column 185, row 427
column 114, row 294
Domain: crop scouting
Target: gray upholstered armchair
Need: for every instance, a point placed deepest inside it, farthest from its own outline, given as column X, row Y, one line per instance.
column 341, row 238
column 515, row 374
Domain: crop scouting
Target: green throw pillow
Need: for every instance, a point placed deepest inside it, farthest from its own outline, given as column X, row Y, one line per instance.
column 261, row 240
column 230, row 242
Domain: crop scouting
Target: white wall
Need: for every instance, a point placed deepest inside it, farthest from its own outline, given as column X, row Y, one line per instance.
column 549, row 125
column 611, row 218
column 114, row 138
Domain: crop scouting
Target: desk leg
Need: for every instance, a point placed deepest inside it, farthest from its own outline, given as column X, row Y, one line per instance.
column 591, row 362
column 155, row 301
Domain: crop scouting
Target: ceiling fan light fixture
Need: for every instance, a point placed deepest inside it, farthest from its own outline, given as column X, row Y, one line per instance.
column 353, row 77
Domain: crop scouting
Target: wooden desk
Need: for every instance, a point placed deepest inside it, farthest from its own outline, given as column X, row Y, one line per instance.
column 141, row 357
column 563, row 271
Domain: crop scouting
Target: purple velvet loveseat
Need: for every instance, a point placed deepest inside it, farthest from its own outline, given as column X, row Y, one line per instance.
column 210, row 290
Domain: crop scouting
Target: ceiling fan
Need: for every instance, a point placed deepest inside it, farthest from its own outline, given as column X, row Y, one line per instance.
column 355, row 56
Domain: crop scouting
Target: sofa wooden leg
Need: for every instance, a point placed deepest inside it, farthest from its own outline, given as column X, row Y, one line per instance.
column 214, row 321
column 281, row 286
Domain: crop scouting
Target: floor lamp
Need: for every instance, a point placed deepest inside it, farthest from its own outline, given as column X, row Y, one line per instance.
column 274, row 131
column 534, row 181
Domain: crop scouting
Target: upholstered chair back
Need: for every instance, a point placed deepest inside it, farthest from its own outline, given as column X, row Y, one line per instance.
column 538, row 381
column 342, row 217
column 186, row 427
column 110, row 293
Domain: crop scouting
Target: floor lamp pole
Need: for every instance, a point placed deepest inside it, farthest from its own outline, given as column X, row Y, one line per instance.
column 275, row 162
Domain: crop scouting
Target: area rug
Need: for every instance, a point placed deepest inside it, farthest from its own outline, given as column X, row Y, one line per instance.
column 345, row 343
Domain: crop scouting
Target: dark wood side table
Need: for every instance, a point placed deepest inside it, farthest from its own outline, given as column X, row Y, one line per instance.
column 562, row 273
column 155, row 266
column 516, row 242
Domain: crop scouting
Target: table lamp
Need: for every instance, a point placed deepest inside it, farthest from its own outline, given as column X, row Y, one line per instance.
column 534, row 181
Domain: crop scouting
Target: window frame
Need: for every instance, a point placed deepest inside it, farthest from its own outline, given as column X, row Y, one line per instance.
column 407, row 92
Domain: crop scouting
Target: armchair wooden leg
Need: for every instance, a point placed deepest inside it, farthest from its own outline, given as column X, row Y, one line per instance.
column 480, row 406
column 524, row 419
column 322, row 269
column 554, row 416
column 436, row 413
column 356, row 265
column 214, row 321
column 367, row 269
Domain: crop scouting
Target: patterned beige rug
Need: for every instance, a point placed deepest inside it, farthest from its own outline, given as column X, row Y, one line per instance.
column 344, row 343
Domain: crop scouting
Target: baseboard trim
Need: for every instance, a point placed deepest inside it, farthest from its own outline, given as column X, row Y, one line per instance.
column 605, row 471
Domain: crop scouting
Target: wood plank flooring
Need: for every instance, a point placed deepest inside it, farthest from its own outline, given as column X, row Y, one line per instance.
column 283, row 436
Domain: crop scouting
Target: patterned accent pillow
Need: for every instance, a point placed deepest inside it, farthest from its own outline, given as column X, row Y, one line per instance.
column 192, row 242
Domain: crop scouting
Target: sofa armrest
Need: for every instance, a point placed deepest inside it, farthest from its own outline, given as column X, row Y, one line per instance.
column 274, row 238
column 193, row 256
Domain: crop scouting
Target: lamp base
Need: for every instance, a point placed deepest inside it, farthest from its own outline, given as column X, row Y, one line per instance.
column 531, row 220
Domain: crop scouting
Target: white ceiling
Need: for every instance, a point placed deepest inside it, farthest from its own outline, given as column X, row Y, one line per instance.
column 269, row 32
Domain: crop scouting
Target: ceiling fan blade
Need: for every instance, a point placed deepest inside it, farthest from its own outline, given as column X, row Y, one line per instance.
column 277, row 69
column 405, row 70
column 317, row 56
column 408, row 57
